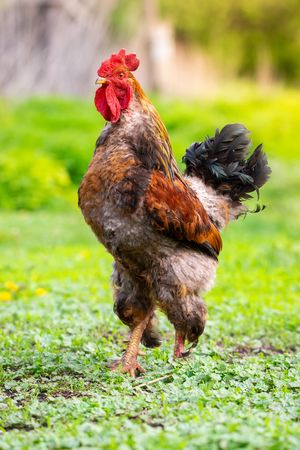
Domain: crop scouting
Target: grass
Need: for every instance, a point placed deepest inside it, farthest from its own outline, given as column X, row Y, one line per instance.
column 240, row 389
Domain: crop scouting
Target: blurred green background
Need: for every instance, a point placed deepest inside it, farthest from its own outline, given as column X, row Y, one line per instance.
column 47, row 143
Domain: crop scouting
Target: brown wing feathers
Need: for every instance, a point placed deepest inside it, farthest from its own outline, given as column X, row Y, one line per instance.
column 176, row 211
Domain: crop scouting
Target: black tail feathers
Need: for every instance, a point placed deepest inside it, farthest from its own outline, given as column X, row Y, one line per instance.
column 222, row 163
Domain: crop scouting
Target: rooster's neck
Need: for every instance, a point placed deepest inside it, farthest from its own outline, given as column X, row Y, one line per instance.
column 142, row 128
column 152, row 135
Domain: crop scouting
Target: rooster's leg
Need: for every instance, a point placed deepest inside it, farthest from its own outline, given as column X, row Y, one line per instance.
column 128, row 362
column 126, row 341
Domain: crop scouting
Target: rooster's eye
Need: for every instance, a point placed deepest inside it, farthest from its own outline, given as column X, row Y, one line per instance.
column 121, row 75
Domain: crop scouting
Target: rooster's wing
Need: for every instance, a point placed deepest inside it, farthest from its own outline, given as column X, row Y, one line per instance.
column 175, row 211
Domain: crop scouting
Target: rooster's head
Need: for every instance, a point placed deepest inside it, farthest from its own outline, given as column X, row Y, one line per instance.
column 116, row 82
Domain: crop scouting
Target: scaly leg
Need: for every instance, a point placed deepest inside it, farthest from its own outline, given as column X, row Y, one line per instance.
column 128, row 362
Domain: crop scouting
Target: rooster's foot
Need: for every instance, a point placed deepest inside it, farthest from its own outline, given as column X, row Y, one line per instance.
column 125, row 365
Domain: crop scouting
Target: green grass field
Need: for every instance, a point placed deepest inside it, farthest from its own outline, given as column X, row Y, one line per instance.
column 240, row 389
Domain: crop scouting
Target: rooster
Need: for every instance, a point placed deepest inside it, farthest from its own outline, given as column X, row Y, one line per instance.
column 162, row 227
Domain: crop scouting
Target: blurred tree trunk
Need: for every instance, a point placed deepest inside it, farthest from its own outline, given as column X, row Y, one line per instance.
column 150, row 16
column 56, row 46
column 264, row 72
column 52, row 45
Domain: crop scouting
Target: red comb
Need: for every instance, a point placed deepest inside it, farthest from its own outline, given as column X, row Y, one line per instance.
column 130, row 61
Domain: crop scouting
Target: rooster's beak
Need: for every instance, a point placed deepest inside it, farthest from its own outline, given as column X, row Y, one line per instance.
column 101, row 81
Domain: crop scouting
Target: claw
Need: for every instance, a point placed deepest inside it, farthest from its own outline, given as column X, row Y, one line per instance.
column 132, row 366
column 133, row 370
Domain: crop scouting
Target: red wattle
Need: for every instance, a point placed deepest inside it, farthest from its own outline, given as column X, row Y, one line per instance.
column 101, row 103
column 113, row 103
column 109, row 104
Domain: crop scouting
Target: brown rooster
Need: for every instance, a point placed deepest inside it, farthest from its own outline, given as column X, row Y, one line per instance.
column 161, row 227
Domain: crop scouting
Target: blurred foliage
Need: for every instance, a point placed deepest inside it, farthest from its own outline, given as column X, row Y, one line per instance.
column 124, row 18
column 32, row 181
column 46, row 144
column 244, row 34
